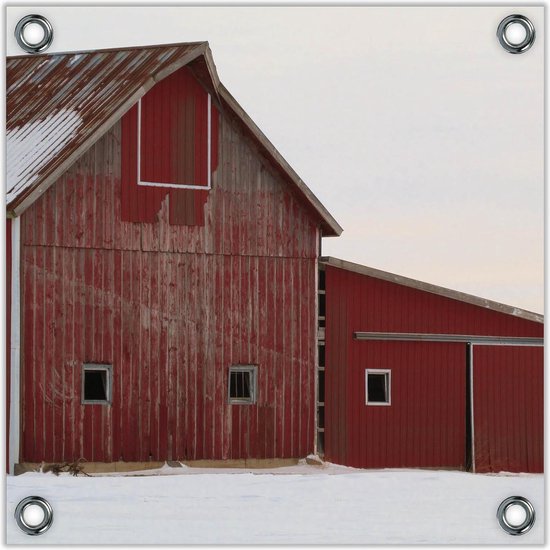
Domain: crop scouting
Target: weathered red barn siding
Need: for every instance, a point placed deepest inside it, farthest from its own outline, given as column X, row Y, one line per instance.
column 171, row 307
column 250, row 210
column 173, row 135
column 8, row 337
column 175, row 129
column 508, row 409
column 425, row 426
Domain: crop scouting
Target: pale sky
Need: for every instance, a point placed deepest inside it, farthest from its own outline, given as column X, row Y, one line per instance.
column 417, row 131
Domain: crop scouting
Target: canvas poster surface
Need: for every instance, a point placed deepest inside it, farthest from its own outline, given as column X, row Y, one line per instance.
column 274, row 275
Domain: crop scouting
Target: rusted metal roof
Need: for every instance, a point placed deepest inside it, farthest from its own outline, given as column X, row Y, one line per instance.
column 58, row 105
column 434, row 289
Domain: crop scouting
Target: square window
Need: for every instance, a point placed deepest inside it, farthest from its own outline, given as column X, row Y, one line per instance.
column 242, row 384
column 378, row 386
column 96, row 384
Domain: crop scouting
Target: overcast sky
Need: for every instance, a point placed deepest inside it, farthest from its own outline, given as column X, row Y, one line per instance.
column 417, row 131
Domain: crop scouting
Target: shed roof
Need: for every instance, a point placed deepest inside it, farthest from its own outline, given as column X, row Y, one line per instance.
column 434, row 289
column 59, row 104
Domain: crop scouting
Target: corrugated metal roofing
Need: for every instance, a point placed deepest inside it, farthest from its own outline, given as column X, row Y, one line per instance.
column 434, row 289
column 58, row 105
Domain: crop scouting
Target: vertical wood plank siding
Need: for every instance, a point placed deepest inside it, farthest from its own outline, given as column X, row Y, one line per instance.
column 171, row 308
column 173, row 133
column 425, row 424
column 509, row 409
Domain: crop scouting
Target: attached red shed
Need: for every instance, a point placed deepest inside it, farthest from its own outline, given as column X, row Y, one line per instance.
column 416, row 375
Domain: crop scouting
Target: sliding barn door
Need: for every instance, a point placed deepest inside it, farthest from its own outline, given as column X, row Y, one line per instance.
column 508, row 392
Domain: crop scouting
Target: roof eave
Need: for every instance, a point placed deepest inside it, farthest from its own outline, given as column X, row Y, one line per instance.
column 434, row 289
column 330, row 227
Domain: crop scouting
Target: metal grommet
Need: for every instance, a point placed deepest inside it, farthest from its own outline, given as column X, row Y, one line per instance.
column 26, row 523
column 507, row 525
column 519, row 47
column 34, row 47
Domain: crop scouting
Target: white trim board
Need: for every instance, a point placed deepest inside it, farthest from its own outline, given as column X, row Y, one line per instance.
column 15, row 346
column 479, row 340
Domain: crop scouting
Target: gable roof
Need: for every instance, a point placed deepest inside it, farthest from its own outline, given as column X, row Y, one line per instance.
column 59, row 105
column 434, row 289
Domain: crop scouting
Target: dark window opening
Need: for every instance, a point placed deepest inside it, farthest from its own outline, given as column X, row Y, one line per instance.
column 96, row 384
column 321, row 305
column 321, row 386
column 378, row 387
column 321, row 417
column 321, row 356
column 321, row 279
column 242, row 384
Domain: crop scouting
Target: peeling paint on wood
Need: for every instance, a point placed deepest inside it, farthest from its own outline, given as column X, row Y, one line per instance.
column 171, row 308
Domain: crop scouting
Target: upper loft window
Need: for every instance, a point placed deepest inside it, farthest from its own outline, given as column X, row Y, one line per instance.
column 174, row 135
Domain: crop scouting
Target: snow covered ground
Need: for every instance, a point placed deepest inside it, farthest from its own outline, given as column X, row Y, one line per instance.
column 298, row 504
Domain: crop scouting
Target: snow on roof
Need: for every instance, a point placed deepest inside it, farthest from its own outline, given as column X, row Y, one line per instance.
column 58, row 105
column 33, row 146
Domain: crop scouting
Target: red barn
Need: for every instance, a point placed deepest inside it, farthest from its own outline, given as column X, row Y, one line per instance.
column 163, row 265
column 166, row 300
column 417, row 375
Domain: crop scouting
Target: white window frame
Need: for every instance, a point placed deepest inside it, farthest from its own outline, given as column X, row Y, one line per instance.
column 208, row 160
column 253, row 370
column 108, row 369
column 388, row 387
